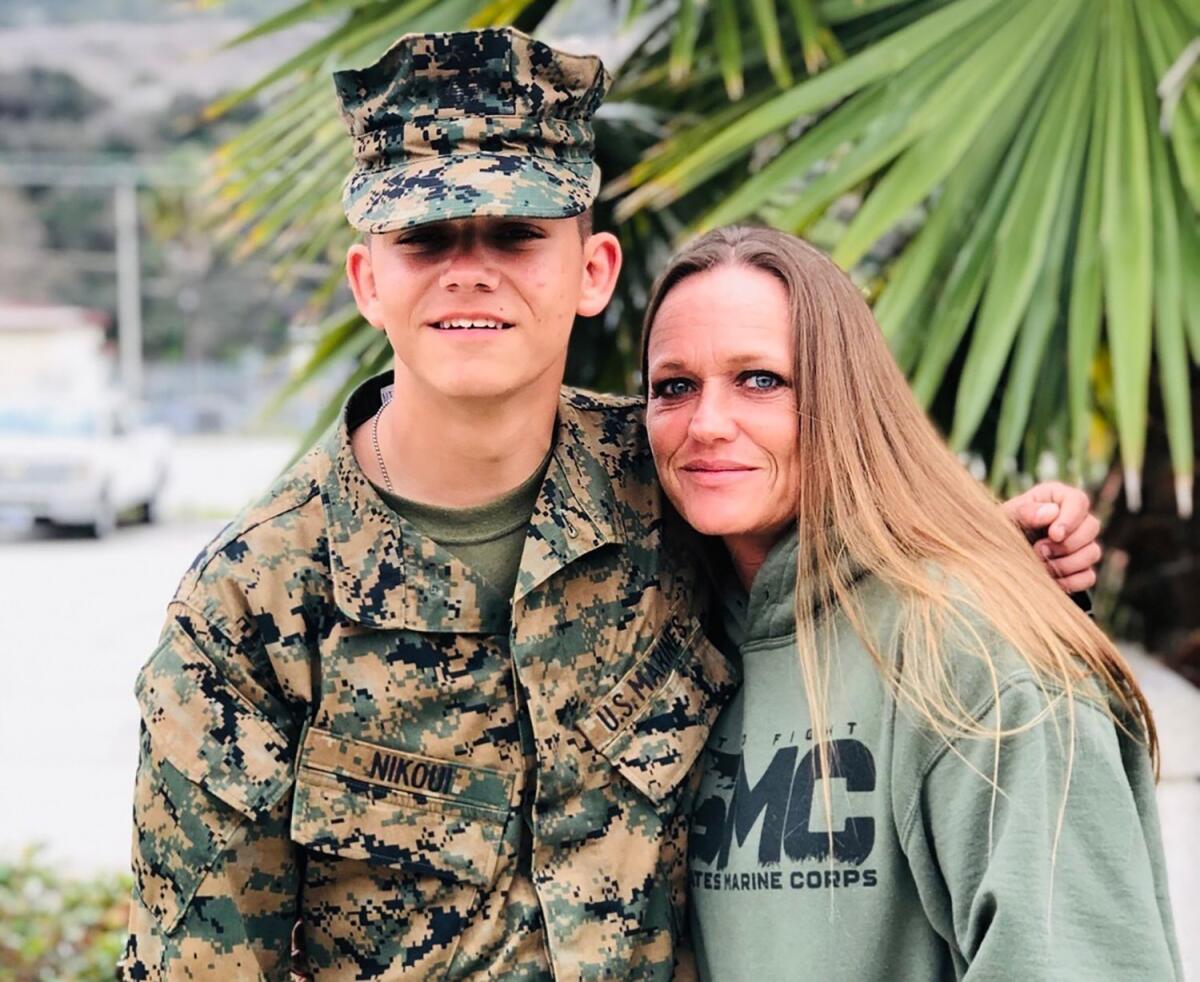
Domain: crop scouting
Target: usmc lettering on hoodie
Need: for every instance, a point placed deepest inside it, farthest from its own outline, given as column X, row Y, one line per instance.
column 770, row 820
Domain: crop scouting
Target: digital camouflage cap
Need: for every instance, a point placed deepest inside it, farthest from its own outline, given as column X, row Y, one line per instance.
column 471, row 123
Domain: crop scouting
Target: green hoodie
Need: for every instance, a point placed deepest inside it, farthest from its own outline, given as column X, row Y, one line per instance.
column 932, row 875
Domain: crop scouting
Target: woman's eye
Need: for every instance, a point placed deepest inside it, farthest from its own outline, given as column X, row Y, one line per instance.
column 761, row 381
column 671, row 388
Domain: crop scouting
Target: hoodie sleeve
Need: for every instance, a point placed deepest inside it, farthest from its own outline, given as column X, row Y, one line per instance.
column 1017, row 895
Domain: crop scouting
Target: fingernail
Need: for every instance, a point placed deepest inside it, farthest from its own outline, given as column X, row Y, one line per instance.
column 1046, row 512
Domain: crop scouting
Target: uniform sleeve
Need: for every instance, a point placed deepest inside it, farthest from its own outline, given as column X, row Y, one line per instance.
column 1009, row 904
column 216, row 876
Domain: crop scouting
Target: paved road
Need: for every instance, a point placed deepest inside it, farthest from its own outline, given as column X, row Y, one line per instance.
column 78, row 618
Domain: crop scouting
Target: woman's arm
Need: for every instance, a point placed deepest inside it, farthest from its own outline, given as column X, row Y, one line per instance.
column 1016, row 894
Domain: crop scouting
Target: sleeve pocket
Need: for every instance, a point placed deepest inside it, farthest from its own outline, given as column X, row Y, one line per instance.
column 210, row 763
column 363, row 801
column 652, row 725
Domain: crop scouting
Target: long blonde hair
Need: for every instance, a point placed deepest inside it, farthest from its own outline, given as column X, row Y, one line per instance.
column 881, row 493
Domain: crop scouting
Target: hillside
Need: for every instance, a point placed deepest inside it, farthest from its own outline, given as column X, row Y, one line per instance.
column 142, row 66
column 24, row 12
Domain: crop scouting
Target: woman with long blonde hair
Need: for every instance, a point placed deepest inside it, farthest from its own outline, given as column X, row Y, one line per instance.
column 937, row 767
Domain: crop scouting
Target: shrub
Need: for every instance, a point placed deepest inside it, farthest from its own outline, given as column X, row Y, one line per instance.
column 57, row 926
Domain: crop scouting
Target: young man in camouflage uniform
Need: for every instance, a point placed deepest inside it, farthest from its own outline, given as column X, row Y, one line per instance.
column 448, row 739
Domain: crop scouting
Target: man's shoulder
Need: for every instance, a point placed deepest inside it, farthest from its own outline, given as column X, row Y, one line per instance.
column 618, row 415
column 604, row 402
column 287, row 519
column 612, row 422
column 607, row 433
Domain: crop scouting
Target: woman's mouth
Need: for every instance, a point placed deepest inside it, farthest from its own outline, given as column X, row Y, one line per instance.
column 716, row 472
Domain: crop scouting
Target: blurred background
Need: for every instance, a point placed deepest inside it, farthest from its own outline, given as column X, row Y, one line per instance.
column 1013, row 183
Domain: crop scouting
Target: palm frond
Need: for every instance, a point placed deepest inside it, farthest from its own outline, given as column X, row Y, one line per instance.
column 1016, row 181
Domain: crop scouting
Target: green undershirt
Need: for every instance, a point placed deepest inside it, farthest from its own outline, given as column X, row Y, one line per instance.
column 489, row 538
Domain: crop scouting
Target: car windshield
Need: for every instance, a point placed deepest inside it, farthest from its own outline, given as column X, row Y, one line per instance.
column 48, row 421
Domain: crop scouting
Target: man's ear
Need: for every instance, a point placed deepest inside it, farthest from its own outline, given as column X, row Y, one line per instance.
column 361, row 276
column 601, row 266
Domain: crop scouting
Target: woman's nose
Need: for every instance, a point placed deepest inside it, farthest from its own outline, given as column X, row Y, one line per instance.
column 712, row 419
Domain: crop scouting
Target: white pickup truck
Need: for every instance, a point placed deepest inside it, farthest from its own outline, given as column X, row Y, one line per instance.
column 79, row 464
column 71, row 450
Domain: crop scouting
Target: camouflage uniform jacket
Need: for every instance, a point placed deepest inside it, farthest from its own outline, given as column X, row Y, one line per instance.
column 348, row 733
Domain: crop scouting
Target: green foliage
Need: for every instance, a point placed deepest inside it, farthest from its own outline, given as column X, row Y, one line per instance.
column 999, row 174
column 55, row 927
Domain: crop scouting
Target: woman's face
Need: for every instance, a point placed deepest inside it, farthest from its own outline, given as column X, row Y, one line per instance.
column 722, row 411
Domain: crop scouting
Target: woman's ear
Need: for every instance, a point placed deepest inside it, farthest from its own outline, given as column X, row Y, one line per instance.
column 601, row 266
column 361, row 276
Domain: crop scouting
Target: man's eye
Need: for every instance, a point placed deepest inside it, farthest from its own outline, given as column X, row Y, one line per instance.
column 518, row 232
column 419, row 239
column 671, row 388
column 762, row 381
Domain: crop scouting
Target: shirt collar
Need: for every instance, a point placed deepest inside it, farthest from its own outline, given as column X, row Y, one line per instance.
column 387, row 575
column 769, row 609
column 577, row 510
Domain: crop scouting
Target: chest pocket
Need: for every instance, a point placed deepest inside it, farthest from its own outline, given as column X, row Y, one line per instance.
column 654, row 722
column 399, row 848
column 359, row 800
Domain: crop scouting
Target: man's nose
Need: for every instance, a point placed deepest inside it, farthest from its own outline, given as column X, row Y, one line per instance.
column 468, row 268
column 712, row 419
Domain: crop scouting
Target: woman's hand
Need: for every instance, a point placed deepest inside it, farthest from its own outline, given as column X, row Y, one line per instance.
column 1057, row 519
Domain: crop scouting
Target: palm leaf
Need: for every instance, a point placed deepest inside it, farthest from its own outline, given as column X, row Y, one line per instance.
column 1085, row 303
column 1023, row 239
column 814, row 95
column 958, row 299
column 301, row 12
column 816, row 40
column 951, row 253
column 767, row 22
column 1126, row 238
column 1043, row 313
column 728, row 40
column 1170, row 342
column 683, row 41
column 955, row 113
column 999, row 207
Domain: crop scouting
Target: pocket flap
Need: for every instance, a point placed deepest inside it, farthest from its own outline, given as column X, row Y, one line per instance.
column 360, row 800
column 654, row 722
column 211, row 763
column 209, row 731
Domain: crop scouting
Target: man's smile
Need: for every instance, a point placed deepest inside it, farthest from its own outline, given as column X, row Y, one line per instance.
column 471, row 323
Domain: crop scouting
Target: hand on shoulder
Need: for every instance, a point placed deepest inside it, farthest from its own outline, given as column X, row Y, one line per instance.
column 1058, row 521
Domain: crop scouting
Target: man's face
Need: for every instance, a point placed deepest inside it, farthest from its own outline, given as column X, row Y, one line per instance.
column 482, row 307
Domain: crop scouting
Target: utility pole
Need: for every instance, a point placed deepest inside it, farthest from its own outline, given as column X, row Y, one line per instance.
column 129, row 287
column 123, row 178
